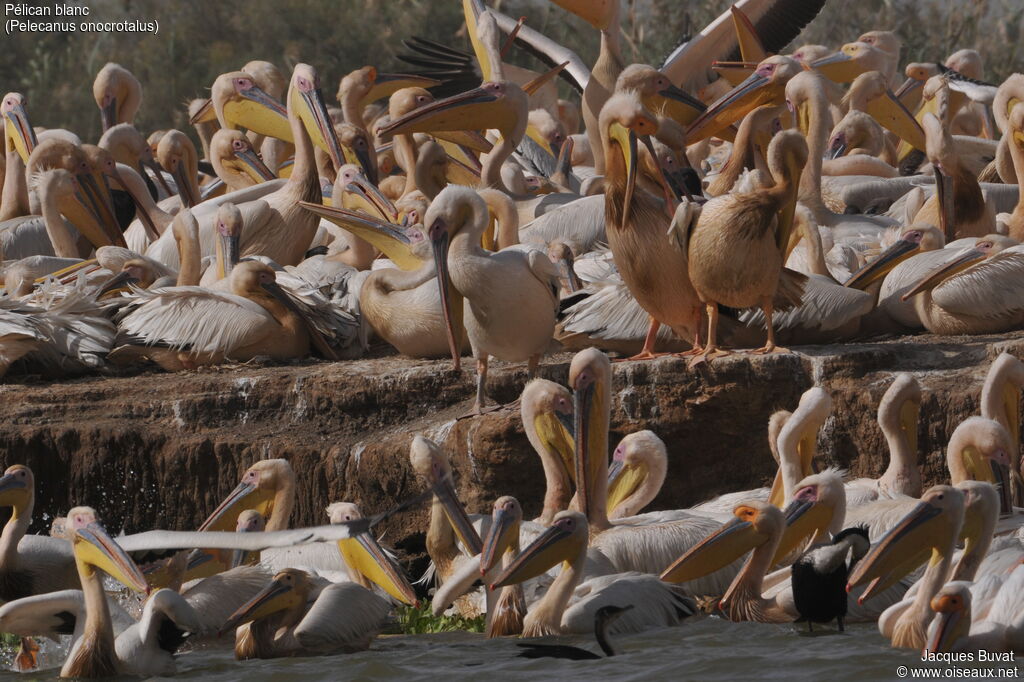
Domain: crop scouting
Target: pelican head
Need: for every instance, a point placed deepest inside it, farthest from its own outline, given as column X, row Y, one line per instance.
column 640, row 459
column 755, row 524
column 764, row 86
column 288, row 591
column 118, row 94
column 267, row 76
column 622, row 119
column 979, row 451
column 981, row 513
column 430, row 463
column 966, row 61
column 495, row 104
column 590, row 374
column 850, row 61
column 354, row 191
column 18, row 132
column 913, row 240
column 934, row 524
column 95, row 549
column 17, row 488
column 258, row 488
column 805, row 54
column 818, row 508
column 452, row 210
column 232, row 150
column 229, row 225
column 366, row 84
column 503, row 535
column 249, row 521
column 797, row 441
column 367, row 560
column 128, row 146
column 952, row 621
column 548, row 407
column 177, row 155
column 72, row 200
column 659, row 94
column 901, row 406
column 135, row 271
column 565, row 540
column 856, row 131
column 237, row 101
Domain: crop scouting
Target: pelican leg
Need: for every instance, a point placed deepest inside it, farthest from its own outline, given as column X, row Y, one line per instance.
column 27, row 657
column 711, row 350
column 647, row 352
column 481, row 383
column 698, row 345
column 770, row 346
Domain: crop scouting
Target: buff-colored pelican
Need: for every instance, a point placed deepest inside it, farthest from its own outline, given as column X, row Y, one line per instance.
column 118, row 95
column 738, row 246
column 1000, row 401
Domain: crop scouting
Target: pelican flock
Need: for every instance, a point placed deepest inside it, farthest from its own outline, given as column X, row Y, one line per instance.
column 736, row 200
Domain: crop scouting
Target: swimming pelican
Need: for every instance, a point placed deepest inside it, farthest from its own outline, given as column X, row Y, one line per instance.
column 659, row 604
column 506, row 615
column 738, row 245
column 934, row 523
column 953, row 628
column 897, row 417
column 546, row 409
column 1000, row 401
column 512, row 296
column 118, row 94
column 296, row 614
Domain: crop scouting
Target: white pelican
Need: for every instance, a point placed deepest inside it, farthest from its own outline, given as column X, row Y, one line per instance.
column 975, row 291
column 297, row 614
column 953, row 628
column 1000, row 401
column 659, row 604
column 512, row 296
column 182, row 327
column 546, row 410
column 505, row 616
column 118, row 95
column 934, row 524
column 897, row 416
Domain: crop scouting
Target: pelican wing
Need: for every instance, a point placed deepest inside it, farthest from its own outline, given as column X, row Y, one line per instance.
column 609, row 313
column 548, row 51
column 183, row 318
column 825, row 306
column 214, row 599
column 776, row 22
column 343, row 614
column 992, row 288
column 53, row 614
column 655, row 603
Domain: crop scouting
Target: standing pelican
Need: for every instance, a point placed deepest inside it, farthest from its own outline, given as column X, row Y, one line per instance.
column 512, row 296
column 738, row 245
column 653, row 268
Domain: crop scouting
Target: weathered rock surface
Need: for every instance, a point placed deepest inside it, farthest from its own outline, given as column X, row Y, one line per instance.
column 160, row 450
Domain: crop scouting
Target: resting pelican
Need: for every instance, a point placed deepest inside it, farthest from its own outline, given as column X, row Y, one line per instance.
column 897, row 416
column 659, row 604
column 118, row 94
column 653, row 267
column 177, row 155
column 737, row 248
column 276, row 225
column 297, row 614
column 512, row 296
column 174, row 326
column 974, row 291
column 1000, row 401
column 236, row 162
column 934, row 523
column 546, row 407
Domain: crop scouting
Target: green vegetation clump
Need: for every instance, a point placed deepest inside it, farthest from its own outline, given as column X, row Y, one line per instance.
column 419, row 621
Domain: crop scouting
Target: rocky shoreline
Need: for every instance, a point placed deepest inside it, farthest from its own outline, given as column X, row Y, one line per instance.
column 160, row 450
